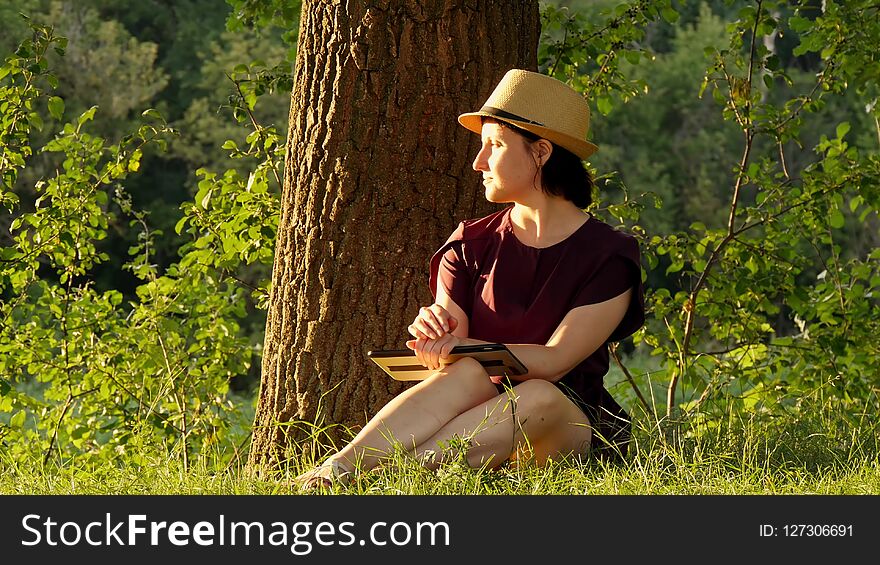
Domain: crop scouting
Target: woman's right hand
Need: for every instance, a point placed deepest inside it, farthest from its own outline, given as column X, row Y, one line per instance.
column 431, row 352
column 433, row 322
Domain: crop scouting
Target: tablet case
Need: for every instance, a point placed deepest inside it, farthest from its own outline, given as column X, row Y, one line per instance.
column 401, row 364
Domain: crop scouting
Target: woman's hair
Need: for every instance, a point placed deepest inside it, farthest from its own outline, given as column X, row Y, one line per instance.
column 563, row 174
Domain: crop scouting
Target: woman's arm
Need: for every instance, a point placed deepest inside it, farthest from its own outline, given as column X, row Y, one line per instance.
column 437, row 329
column 581, row 332
column 442, row 317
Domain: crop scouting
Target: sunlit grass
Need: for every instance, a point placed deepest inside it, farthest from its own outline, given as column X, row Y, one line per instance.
column 822, row 453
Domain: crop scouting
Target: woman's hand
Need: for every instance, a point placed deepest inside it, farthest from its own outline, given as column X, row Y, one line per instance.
column 429, row 352
column 433, row 329
column 432, row 323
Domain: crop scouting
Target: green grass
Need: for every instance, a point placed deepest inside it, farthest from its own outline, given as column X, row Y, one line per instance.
column 819, row 452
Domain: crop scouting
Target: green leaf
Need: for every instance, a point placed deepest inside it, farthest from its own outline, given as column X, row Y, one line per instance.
column 836, row 219
column 251, row 100
column 799, row 24
column 669, row 14
column 87, row 115
column 35, row 121
column 752, row 265
column 206, row 199
column 114, row 297
column 178, row 227
column 675, row 267
column 17, row 420
column 855, row 202
column 603, row 103
column 842, row 129
column 152, row 113
column 56, row 107
column 9, row 253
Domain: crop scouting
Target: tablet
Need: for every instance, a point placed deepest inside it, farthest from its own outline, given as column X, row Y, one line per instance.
column 401, row 364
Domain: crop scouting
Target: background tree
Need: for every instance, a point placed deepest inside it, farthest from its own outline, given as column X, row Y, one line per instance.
column 377, row 175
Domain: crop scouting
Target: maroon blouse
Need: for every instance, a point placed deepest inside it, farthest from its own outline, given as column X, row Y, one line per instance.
column 513, row 293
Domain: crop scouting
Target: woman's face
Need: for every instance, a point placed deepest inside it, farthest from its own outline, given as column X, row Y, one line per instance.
column 507, row 163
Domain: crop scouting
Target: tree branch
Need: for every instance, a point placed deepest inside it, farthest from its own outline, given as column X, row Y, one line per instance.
column 690, row 304
column 629, row 378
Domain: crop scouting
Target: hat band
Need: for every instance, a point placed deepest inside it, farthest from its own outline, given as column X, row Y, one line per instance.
column 508, row 116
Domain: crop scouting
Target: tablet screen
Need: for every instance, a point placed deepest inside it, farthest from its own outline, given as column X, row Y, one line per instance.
column 495, row 358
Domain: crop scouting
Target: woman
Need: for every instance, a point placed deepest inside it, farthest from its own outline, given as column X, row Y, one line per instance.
column 541, row 276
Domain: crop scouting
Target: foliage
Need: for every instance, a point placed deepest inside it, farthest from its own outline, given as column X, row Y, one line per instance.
column 653, row 139
column 737, row 142
column 105, row 65
column 760, row 307
column 174, row 57
column 84, row 372
column 212, row 118
column 266, row 14
column 233, row 219
column 590, row 54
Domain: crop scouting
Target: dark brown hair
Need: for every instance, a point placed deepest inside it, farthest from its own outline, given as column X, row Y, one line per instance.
column 563, row 174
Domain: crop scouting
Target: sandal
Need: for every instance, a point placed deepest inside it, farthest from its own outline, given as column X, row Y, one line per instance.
column 324, row 476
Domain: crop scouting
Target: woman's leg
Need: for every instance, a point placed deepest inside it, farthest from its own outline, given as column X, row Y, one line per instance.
column 417, row 413
column 547, row 424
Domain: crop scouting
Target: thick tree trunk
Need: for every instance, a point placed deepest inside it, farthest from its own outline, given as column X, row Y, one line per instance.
column 378, row 173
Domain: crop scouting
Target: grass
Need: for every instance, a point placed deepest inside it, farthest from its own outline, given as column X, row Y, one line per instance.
column 819, row 452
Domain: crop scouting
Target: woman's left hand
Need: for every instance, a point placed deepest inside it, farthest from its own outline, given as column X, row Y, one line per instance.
column 429, row 352
column 432, row 322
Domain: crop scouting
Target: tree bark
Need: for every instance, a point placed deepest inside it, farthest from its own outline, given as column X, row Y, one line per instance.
column 378, row 173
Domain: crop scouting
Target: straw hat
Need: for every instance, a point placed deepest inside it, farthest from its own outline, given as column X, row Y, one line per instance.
column 539, row 104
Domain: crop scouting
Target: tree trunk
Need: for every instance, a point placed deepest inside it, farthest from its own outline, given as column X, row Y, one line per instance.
column 378, row 174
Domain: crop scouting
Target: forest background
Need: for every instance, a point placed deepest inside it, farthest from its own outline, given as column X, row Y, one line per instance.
column 140, row 206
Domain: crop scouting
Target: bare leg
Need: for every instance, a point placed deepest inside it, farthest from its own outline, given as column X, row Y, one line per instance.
column 418, row 413
column 547, row 425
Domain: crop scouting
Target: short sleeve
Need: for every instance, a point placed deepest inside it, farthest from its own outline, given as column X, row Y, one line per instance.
column 613, row 279
column 456, row 264
column 617, row 274
column 452, row 275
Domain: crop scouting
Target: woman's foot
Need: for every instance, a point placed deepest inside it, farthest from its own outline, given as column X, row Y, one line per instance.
column 327, row 474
